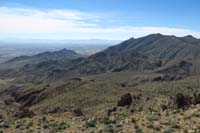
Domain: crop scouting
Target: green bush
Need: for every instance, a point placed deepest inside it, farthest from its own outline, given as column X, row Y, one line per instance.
column 121, row 116
column 58, row 127
column 139, row 130
column 196, row 115
column 168, row 131
column 174, row 125
column 152, row 117
column 107, row 120
column 91, row 123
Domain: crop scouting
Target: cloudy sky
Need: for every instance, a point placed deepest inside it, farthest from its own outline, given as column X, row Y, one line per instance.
column 97, row 19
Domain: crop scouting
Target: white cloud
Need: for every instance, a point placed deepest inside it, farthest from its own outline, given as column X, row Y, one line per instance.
column 70, row 24
column 17, row 20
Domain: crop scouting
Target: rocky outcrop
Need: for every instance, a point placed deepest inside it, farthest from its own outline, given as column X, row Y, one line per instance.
column 182, row 101
column 125, row 100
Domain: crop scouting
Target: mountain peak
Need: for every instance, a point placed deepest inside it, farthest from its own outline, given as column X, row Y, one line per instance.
column 132, row 38
column 156, row 35
column 190, row 37
column 65, row 50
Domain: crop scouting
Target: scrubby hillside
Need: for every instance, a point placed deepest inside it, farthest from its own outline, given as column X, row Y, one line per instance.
column 141, row 85
column 156, row 52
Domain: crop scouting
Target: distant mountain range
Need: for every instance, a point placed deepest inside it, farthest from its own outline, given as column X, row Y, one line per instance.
column 11, row 49
column 153, row 52
column 157, row 53
column 63, row 54
column 42, row 60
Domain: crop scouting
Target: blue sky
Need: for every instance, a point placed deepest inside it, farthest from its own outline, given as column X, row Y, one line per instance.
column 97, row 19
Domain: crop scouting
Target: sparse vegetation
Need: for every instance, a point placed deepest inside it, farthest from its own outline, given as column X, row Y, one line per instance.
column 91, row 123
column 107, row 120
column 102, row 96
column 152, row 117
column 168, row 131
column 139, row 130
column 58, row 127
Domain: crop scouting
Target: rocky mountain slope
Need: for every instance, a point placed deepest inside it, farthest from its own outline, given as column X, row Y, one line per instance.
column 156, row 52
column 141, row 85
column 57, row 55
column 148, row 53
column 94, row 104
column 16, row 66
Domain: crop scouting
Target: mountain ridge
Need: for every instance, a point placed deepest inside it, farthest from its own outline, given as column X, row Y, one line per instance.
column 155, row 52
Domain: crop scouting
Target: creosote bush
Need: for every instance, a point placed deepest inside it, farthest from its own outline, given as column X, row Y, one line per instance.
column 91, row 123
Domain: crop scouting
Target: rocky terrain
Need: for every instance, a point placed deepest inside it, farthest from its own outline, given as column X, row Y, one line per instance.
column 156, row 52
column 143, row 85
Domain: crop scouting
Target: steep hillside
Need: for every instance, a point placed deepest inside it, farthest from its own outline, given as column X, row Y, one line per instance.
column 167, row 54
column 57, row 55
column 156, row 52
column 92, row 104
column 140, row 85
column 42, row 60
column 155, row 49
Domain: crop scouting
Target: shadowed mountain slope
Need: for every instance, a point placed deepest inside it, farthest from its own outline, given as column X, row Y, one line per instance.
column 18, row 64
column 147, row 53
column 156, row 52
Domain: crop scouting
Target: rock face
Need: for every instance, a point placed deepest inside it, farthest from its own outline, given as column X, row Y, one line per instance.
column 125, row 100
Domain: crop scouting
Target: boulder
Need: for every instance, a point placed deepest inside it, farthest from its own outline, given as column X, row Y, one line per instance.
column 109, row 112
column 182, row 101
column 125, row 100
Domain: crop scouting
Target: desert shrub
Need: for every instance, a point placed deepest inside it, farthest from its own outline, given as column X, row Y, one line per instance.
column 198, row 127
column 139, row 130
column 107, row 120
column 168, row 131
column 45, row 126
column 91, row 123
column 187, row 117
column 152, row 117
column 136, row 126
column 166, row 123
column 196, row 115
column 133, row 120
column 4, row 125
column 121, row 116
column 174, row 125
column 58, row 127
column 118, row 125
column 109, row 129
